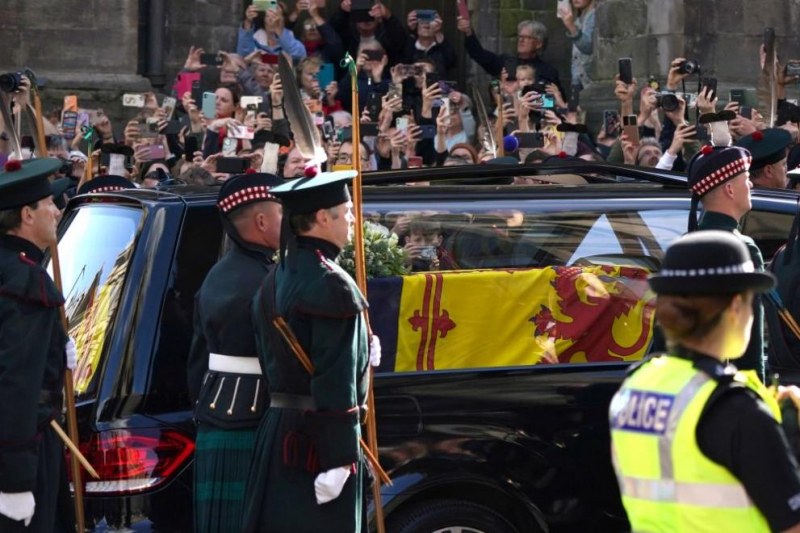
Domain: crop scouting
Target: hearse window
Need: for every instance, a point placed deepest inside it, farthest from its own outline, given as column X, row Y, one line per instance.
column 500, row 293
column 94, row 252
column 770, row 230
column 194, row 258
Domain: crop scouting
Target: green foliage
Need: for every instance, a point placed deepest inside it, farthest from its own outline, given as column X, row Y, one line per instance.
column 383, row 254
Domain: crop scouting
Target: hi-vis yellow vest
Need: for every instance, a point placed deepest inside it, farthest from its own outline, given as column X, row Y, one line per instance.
column 667, row 484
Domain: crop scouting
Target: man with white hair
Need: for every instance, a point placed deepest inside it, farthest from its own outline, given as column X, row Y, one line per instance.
column 531, row 43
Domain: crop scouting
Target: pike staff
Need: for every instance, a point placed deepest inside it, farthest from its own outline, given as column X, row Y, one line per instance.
column 69, row 389
column 361, row 276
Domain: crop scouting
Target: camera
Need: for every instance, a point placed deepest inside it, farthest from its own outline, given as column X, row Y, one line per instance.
column 669, row 101
column 793, row 68
column 66, row 167
column 10, row 82
column 690, row 66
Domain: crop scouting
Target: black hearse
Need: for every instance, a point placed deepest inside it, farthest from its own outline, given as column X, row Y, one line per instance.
column 477, row 431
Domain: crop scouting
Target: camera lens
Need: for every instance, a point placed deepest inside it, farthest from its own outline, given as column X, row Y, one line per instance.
column 690, row 66
column 667, row 101
column 10, row 82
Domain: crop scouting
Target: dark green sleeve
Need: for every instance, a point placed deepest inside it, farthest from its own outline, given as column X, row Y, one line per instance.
column 334, row 345
column 23, row 356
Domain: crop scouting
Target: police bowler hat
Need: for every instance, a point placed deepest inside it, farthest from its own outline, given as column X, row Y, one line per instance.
column 709, row 262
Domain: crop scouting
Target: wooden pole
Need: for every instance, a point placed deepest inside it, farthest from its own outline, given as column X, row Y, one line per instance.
column 69, row 391
column 361, row 281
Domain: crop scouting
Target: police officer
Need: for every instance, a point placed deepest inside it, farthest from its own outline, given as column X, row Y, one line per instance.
column 224, row 376
column 718, row 177
column 697, row 445
column 308, row 473
column 34, row 494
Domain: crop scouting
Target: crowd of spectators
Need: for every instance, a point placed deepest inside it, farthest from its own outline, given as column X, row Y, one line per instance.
column 226, row 111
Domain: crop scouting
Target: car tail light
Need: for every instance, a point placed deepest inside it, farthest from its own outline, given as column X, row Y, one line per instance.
column 134, row 460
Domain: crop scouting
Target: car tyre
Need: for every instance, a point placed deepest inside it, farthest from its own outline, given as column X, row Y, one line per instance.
column 449, row 516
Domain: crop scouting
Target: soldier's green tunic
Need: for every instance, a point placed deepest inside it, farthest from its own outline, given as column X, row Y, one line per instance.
column 32, row 364
column 228, row 406
column 753, row 358
column 323, row 306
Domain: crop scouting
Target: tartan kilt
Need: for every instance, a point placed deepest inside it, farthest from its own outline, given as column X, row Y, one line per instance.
column 222, row 464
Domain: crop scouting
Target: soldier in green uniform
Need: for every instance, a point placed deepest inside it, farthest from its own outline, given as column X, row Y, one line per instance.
column 719, row 178
column 34, row 353
column 308, row 472
column 224, row 376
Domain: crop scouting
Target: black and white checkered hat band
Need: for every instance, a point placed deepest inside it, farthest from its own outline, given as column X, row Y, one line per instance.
column 743, row 268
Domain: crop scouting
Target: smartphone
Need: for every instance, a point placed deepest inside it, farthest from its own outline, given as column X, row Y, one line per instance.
column 325, row 75
column 426, row 15
column 625, row 70
column 240, row 131
column 746, row 111
column 415, row 161
column 401, row 123
column 737, row 95
column 373, row 55
column 463, row 9
column 269, row 59
column 359, row 10
column 69, row 124
column 183, row 83
column 152, row 152
column 631, row 128
column 611, row 122
column 250, row 102
column 711, row 83
column 133, row 100
column 428, row 131
column 510, row 64
column 209, row 105
column 769, row 40
column 548, row 101
column 211, row 60
column 570, row 143
column 574, row 99
column 395, row 90
column 197, row 92
column 232, row 165
column 328, row 129
column 229, row 146
column 374, row 106
column 431, row 78
column 261, row 5
column 190, row 147
column 168, row 105
column 344, row 134
column 369, row 129
column 561, row 6
column 148, row 127
column 530, row 139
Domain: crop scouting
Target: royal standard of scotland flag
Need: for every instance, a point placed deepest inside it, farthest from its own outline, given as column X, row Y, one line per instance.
column 486, row 318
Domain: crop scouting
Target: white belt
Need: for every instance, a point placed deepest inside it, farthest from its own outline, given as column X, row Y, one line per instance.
column 234, row 365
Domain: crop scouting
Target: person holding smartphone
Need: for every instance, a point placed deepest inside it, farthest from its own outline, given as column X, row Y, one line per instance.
column 531, row 44
column 578, row 17
column 265, row 31
column 426, row 40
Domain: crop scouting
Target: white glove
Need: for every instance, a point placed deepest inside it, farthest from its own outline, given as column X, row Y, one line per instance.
column 72, row 354
column 18, row 506
column 375, row 351
column 329, row 484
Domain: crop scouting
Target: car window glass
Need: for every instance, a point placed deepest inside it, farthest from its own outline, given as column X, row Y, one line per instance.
column 513, row 287
column 94, row 254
